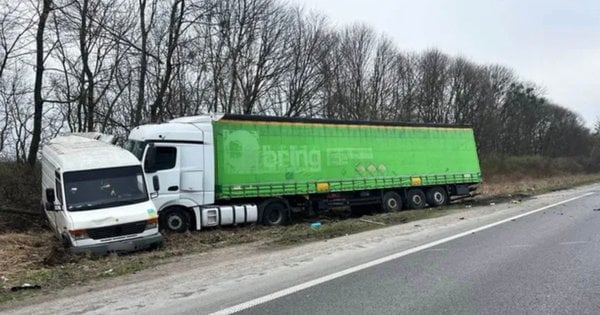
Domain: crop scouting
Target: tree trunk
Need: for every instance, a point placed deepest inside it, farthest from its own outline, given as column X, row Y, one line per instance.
column 37, row 91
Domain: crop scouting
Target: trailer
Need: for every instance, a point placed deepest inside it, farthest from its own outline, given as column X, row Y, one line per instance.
column 234, row 169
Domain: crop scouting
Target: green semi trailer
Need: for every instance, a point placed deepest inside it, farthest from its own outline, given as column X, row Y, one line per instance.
column 215, row 166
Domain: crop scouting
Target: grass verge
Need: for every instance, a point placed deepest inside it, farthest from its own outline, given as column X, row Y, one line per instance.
column 30, row 254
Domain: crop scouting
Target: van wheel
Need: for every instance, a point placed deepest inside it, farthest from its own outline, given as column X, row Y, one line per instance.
column 175, row 220
column 275, row 212
column 391, row 202
column 437, row 196
column 65, row 242
column 415, row 198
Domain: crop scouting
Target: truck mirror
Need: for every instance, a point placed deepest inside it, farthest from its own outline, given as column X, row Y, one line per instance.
column 50, row 196
column 150, row 162
column 155, row 183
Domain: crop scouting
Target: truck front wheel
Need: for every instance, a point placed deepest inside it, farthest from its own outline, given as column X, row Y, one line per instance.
column 275, row 213
column 176, row 220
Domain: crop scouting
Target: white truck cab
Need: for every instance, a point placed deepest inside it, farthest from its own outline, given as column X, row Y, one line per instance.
column 181, row 153
column 95, row 196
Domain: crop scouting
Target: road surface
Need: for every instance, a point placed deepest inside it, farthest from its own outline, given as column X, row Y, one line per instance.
column 478, row 260
column 544, row 263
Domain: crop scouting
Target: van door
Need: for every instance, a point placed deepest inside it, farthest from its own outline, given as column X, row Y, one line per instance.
column 166, row 166
column 58, row 203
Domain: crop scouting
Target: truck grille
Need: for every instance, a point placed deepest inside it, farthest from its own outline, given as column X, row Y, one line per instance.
column 117, row 230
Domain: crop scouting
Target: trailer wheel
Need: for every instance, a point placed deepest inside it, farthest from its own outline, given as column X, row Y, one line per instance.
column 274, row 212
column 175, row 220
column 437, row 196
column 415, row 198
column 391, row 202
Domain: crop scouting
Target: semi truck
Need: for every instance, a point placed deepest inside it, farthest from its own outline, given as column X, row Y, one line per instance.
column 95, row 196
column 235, row 169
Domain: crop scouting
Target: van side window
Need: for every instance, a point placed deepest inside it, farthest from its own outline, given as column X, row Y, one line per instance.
column 166, row 158
column 58, row 187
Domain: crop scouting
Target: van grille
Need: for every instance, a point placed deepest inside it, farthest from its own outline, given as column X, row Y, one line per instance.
column 117, row 230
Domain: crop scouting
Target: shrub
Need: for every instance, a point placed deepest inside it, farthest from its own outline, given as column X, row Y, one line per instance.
column 19, row 187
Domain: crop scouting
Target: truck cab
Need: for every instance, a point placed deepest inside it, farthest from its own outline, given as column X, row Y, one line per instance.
column 95, row 196
column 181, row 153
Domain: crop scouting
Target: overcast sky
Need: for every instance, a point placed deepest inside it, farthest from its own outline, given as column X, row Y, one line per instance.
column 555, row 44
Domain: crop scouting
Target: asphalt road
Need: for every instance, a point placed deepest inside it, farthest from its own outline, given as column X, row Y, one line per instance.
column 544, row 263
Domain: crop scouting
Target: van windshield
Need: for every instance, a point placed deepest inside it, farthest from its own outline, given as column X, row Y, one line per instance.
column 104, row 188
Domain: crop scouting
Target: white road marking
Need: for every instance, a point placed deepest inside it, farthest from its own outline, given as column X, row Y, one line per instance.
column 573, row 243
column 335, row 275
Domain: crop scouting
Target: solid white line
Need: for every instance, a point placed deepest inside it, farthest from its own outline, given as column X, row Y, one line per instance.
column 335, row 275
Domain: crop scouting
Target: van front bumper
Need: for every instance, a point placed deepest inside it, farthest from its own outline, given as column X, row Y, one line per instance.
column 129, row 245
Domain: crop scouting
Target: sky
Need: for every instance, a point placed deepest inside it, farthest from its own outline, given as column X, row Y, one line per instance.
column 554, row 44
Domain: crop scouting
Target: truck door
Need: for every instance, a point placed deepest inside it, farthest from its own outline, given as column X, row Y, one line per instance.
column 191, row 160
column 166, row 166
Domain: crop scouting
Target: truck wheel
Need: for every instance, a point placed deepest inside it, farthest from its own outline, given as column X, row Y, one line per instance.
column 176, row 220
column 391, row 202
column 275, row 213
column 437, row 196
column 416, row 198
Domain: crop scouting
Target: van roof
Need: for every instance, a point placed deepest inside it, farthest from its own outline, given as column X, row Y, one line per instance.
column 76, row 153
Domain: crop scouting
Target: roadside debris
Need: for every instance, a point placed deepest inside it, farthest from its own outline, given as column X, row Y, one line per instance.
column 107, row 272
column 315, row 225
column 598, row 209
column 492, row 203
column 514, row 202
column 25, row 286
column 373, row 222
column 468, row 206
column 461, row 218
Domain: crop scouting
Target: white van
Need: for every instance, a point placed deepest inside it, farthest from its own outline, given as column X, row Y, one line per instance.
column 95, row 196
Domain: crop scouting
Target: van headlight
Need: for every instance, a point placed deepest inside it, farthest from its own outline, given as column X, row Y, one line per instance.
column 152, row 223
column 78, row 234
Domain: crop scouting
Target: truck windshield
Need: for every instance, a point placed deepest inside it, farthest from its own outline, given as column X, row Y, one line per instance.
column 135, row 147
column 104, row 188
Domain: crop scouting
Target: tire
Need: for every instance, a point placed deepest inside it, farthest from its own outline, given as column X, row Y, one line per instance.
column 415, row 198
column 391, row 202
column 175, row 220
column 437, row 196
column 275, row 212
column 65, row 242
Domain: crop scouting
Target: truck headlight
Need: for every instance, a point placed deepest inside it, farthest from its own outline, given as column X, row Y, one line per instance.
column 78, row 234
column 152, row 223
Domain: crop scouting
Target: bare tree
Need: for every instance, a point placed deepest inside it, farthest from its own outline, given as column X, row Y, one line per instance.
column 37, row 92
column 174, row 33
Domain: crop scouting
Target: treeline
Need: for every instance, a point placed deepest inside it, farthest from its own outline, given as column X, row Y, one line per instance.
column 109, row 65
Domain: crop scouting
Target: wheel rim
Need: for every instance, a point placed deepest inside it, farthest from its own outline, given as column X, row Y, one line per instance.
column 438, row 197
column 417, row 200
column 174, row 222
column 274, row 216
column 392, row 203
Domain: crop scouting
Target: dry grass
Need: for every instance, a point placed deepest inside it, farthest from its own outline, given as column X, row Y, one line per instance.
column 502, row 186
column 23, row 251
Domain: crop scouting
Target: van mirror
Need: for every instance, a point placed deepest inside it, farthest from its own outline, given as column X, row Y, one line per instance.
column 50, row 196
column 155, row 183
column 150, row 162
